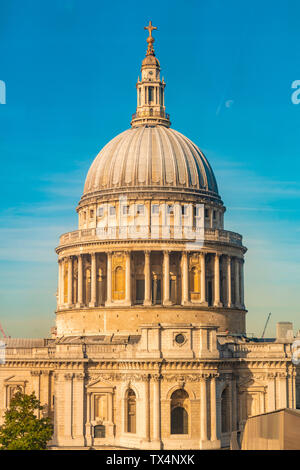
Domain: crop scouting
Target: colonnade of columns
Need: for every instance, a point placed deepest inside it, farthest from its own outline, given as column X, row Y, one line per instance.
column 232, row 276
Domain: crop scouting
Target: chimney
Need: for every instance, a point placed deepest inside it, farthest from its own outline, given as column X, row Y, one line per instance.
column 284, row 331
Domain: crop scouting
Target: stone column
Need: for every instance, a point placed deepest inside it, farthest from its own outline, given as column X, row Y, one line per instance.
column 45, row 396
column 147, row 273
column 213, row 409
column 109, row 279
column 203, row 280
column 78, row 402
column 230, row 404
column 80, row 282
column 146, row 422
column 217, row 302
column 166, row 267
column 211, row 222
column 237, row 282
column 292, row 387
column 271, row 391
column 242, row 283
column 282, row 379
column 88, row 426
column 203, row 410
column 228, row 282
column 185, row 278
column 36, row 385
column 156, row 410
column 93, row 280
column 62, row 284
column 128, row 279
column 60, row 275
column 57, row 409
column 68, row 409
column 59, row 284
column 70, row 281
column 234, row 405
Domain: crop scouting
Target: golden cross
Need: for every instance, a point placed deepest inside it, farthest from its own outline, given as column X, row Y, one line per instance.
column 150, row 28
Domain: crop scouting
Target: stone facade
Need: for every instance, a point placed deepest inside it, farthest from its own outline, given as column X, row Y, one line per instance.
column 150, row 349
column 84, row 385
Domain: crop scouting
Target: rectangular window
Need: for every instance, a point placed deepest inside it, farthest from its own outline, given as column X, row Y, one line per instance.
column 125, row 210
column 140, row 210
column 155, row 209
column 206, row 213
column 91, row 214
column 197, row 211
column 101, row 406
column 100, row 211
column 184, row 209
column 170, row 209
column 112, row 210
column 214, row 215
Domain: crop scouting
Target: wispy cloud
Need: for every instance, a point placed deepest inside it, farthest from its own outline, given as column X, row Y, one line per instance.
column 240, row 179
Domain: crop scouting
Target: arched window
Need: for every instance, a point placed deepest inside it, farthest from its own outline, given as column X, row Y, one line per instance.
column 194, row 280
column 150, row 94
column 195, row 283
column 130, row 411
column 225, row 410
column 179, row 412
column 119, row 284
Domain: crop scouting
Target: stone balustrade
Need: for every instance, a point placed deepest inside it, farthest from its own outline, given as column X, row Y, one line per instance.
column 156, row 232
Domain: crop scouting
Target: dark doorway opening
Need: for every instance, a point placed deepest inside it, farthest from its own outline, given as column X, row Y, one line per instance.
column 140, row 291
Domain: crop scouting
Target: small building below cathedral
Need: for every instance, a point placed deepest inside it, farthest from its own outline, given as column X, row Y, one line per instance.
column 150, row 349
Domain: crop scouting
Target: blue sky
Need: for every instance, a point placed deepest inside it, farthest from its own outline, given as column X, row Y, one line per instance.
column 70, row 68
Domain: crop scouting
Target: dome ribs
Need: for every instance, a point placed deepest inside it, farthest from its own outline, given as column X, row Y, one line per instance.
column 168, row 140
column 211, row 180
column 136, row 156
column 190, row 163
column 123, row 165
column 161, row 159
column 142, row 158
column 200, row 167
column 129, row 168
column 95, row 178
column 91, row 179
column 156, row 171
column 150, row 158
column 153, row 173
column 181, row 163
column 120, row 157
column 107, row 169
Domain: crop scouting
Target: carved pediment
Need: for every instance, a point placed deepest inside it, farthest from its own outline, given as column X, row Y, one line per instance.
column 13, row 379
column 103, row 380
column 251, row 383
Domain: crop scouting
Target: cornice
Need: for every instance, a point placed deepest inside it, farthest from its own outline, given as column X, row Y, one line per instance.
column 177, row 245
